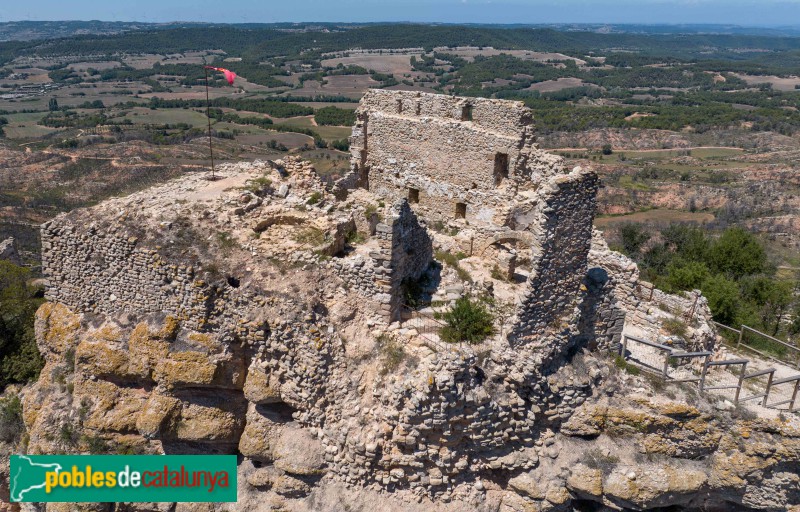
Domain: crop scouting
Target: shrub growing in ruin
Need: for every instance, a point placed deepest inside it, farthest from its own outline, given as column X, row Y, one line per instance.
column 675, row 326
column 469, row 321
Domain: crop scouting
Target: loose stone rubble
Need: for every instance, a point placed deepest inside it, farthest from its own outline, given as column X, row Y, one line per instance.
column 8, row 251
column 263, row 314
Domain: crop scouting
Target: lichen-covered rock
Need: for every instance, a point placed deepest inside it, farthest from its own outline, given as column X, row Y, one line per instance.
column 653, row 486
column 261, row 389
column 210, row 419
column 159, row 416
column 259, row 436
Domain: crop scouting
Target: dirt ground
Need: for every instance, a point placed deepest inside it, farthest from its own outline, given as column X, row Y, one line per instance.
column 778, row 83
column 395, row 64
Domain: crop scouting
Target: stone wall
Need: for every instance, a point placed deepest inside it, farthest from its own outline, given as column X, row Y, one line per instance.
column 417, row 146
column 94, row 270
column 406, row 251
column 358, row 274
column 412, row 251
column 561, row 249
column 627, row 300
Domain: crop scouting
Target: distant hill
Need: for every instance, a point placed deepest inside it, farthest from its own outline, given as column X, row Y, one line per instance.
column 33, row 30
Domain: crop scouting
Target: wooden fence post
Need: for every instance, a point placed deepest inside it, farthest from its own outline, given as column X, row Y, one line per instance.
column 624, row 346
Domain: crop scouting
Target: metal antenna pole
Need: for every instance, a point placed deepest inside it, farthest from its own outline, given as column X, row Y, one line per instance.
column 208, row 115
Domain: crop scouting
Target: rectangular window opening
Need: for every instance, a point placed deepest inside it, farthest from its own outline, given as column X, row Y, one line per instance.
column 461, row 210
column 466, row 113
column 399, row 106
column 413, row 195
column 500, row 167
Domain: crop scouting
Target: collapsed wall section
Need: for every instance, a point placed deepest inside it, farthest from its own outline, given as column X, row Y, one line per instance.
column 625, row 303
column 562, row 239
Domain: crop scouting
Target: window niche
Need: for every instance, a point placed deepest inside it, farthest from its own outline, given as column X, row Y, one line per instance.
column 461, row 210
column 500, row 167
column 413, row 195
column 466, row 113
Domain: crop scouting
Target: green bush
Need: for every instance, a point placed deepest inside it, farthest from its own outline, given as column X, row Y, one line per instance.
column 369, row 211
column 633, row 238
column 685, row 275
column 469, row 321
column 314, row 198
column 675, row 326
column 11, row 425
column 20, row 360
column 392, row 352
column 737, row 253
column 622, row 364
column 723, row 298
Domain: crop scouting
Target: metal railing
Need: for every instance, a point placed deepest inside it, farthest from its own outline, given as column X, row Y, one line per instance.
column 662, row 359
column 658, row 359
column 795, row 380
column 426, row 325
column 779, row 351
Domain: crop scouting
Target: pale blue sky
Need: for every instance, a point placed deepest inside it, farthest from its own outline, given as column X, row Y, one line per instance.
column 741, row 12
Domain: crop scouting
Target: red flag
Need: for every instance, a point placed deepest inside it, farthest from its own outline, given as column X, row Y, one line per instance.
column 229, row 75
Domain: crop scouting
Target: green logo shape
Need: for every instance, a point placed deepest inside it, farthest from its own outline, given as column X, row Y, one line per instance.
column 123, row 478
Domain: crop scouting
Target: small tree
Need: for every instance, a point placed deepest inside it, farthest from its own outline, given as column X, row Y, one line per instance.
column 469, row 321
column 686, row 275
column 633, row 238
column 52, row 105
column 723, row 298
column 737, row 253
column 606, row 149
column 19, row 357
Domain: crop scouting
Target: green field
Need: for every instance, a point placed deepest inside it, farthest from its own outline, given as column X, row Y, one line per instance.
column 326, row 132
column 663, row 154
column 24, row 126
column 659, row 216
column 167, row 116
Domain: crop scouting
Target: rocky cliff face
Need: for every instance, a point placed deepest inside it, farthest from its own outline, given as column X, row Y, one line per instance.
column 461, row 431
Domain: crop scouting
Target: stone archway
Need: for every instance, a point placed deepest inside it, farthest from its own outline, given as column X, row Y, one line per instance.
column 506, row 259
column 510, row 236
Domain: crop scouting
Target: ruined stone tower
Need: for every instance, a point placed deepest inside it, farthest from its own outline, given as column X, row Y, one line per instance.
column 474, row 161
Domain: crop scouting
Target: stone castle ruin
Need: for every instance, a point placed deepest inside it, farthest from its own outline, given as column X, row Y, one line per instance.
column 266, row 315
column 472, row 162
